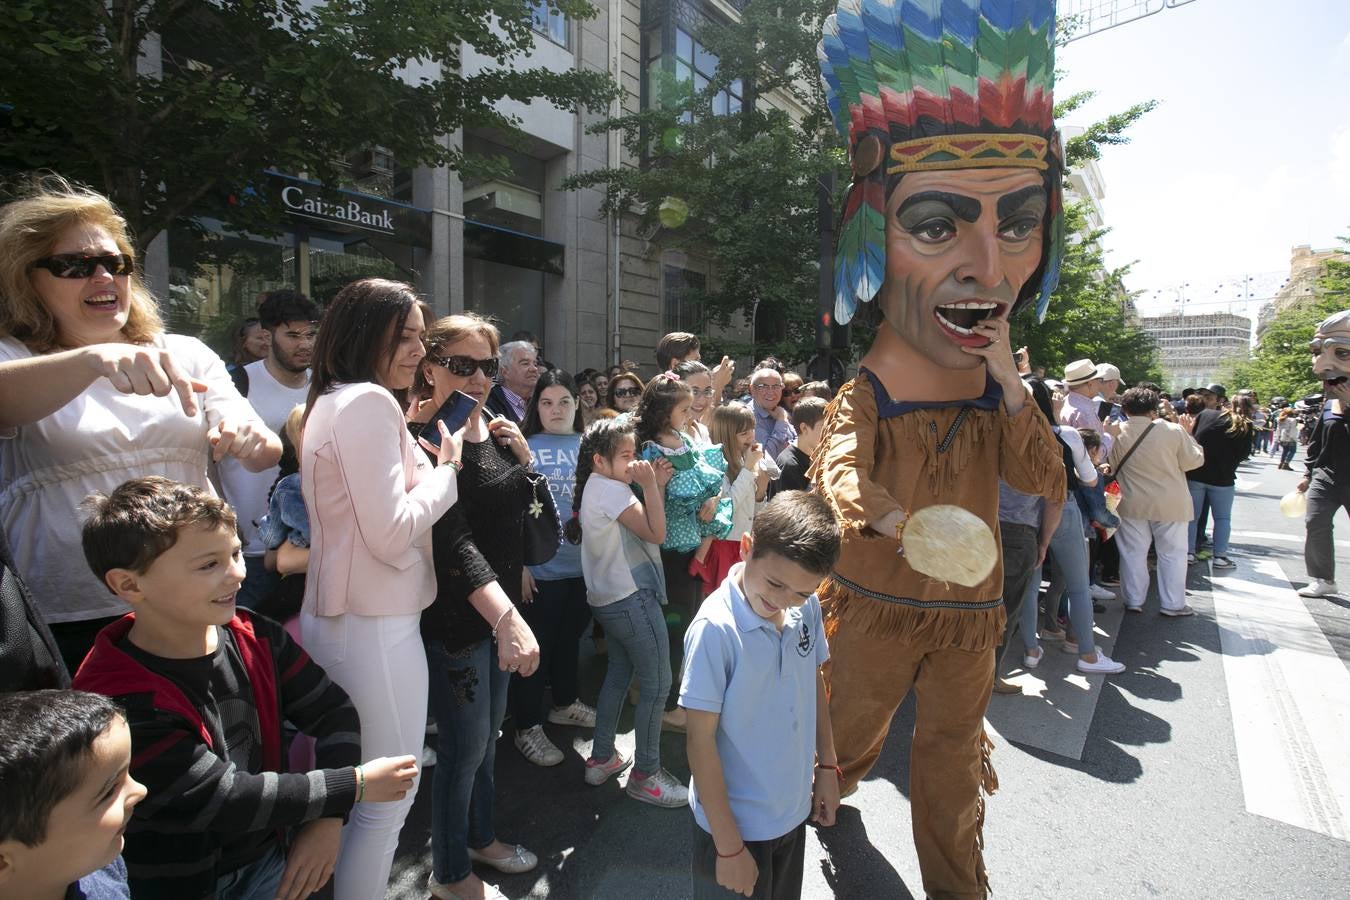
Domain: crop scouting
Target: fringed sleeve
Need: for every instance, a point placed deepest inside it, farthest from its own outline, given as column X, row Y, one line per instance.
column 844, row 461
column 1029, row 457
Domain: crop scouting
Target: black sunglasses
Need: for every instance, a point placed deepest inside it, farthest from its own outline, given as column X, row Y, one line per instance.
column 464, row 366
column 627, row 392
column 77, row 265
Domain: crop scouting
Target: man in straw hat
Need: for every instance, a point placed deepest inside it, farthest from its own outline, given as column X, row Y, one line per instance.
column 952, row 224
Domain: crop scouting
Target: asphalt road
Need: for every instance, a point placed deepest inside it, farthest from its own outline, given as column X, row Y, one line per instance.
column 1216, row 765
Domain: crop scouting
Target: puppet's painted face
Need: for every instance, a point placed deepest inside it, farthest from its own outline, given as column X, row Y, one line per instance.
column 960, row 245
column 1331, row 356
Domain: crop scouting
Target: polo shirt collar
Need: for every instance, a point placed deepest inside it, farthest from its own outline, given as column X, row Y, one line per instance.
column 746, row 618
column 888, row 408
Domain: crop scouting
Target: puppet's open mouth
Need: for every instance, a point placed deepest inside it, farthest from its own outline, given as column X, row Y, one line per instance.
column 963, row 316
column 1334, row 382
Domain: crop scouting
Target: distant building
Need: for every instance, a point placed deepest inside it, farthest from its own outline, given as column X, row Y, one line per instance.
column 1192, row 348
column 1085, row 182
column 1306, row 265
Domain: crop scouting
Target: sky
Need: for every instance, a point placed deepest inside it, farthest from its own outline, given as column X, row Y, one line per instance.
column 1247, row 154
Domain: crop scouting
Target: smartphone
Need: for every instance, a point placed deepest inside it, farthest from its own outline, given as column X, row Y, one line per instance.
column 1104, row 410
column 454, row 412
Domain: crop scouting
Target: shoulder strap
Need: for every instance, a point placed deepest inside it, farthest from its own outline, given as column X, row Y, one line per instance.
column 1133, row 447
column 239, row 375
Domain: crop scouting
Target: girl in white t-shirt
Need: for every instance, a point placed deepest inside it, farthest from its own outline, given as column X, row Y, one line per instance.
column 625, row 587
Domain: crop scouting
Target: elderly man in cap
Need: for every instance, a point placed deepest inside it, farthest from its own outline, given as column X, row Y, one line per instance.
column 1327, row 483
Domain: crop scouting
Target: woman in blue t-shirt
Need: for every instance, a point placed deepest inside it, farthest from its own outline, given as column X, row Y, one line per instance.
column 554, row 594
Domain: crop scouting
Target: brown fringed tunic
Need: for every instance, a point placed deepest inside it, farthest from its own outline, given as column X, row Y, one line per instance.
column 876, row 455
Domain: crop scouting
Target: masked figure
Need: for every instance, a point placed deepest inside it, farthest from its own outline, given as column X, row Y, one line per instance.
column 952, row 224
column 1328, row 480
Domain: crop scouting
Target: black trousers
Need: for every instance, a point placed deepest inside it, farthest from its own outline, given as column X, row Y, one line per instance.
column 558, row 616
column 684, row 595
column 780, row 863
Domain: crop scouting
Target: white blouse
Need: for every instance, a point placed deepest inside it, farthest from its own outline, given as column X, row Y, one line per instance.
column 94, row 443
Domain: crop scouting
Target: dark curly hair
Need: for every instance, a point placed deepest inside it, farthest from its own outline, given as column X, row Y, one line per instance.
column 662, row 394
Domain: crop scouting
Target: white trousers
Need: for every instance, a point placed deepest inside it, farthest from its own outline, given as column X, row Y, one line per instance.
column 381, row 664
column 1169, row 539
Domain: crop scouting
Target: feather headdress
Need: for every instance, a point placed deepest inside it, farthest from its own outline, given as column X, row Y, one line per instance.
column 916, row 85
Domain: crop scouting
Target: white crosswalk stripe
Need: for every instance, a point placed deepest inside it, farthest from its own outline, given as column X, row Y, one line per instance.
column 1290, row 700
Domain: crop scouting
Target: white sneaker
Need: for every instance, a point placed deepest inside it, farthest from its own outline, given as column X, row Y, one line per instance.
column 1100, row 593
column 1320, row 587
column 1030, row 661
column 578, row 715
column 1104, row 665
column 659, row 789
column 535, row 746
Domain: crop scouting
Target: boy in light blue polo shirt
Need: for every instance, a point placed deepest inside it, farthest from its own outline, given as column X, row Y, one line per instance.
column 760, row 745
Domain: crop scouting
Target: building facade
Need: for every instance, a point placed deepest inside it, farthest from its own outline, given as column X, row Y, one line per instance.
column 1306, row 265
column 1192, row 349
column 595, row 288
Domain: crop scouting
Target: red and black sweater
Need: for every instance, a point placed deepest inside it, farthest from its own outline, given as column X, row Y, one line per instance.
column 207, row 743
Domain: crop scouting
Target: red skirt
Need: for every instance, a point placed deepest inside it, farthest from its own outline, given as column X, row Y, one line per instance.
column 716, row 565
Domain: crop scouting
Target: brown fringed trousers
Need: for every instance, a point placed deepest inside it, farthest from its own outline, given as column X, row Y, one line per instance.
column 868, row 677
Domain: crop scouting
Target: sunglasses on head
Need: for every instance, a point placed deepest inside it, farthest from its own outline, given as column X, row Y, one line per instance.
column 627, row 392
column 77, row 265
column 465, row 366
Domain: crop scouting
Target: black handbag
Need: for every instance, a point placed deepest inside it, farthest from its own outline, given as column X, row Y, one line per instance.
column 29, row 658
column 542, row 530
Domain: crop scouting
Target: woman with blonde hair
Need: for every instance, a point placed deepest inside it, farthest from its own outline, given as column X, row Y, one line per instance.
column 94, row 394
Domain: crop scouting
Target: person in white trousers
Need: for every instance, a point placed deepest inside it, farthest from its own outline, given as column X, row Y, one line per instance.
column 372, row 498
column 1150, row 460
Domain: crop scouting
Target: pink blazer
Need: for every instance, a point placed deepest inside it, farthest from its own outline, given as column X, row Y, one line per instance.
column 372, row 498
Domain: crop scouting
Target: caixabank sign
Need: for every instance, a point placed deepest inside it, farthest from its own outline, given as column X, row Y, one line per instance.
column 349, row 211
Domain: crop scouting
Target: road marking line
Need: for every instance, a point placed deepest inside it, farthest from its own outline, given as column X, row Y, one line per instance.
column 1276, row 536
column 1289, row 695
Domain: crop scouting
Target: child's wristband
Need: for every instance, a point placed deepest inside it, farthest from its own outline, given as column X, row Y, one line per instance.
column 721, row 855
column 360, row 784
column 839, row 773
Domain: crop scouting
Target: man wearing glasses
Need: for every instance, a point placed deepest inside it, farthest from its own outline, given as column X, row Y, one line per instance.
column 773, row 431
column 273, row 385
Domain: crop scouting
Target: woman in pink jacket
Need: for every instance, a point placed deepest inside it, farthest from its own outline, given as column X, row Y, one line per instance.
column 372, row 499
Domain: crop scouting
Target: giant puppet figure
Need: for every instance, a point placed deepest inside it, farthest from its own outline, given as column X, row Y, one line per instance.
column 951, row 224
column 1327, row 481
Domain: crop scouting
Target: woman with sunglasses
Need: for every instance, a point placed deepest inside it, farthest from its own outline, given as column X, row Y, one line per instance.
column 95, row 393
column 792, row 391
column 475, row 635
column 625, row 390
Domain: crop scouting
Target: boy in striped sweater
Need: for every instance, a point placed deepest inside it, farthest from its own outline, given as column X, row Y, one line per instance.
column 206, row 688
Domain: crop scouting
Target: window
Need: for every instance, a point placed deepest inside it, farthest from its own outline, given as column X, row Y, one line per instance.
column 696, row 66
column 551, row 23
column 683, row 292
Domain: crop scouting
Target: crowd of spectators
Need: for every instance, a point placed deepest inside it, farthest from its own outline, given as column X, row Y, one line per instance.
column 317, row 481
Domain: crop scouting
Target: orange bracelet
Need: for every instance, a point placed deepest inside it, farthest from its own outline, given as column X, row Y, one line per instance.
column 839, row 773
column 721, row 855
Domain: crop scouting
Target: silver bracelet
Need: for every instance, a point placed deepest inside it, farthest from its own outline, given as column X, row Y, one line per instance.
column 501, row 619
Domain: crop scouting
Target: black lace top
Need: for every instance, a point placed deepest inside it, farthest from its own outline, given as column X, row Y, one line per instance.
column 480, row 540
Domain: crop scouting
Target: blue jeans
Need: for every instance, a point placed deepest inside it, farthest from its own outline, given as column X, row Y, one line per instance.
column 1220, row 501
column 258, row 880
column 468, row 699
column 1069, row 564
column 638, row 642
column 1287, row 452
column 259, row 584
